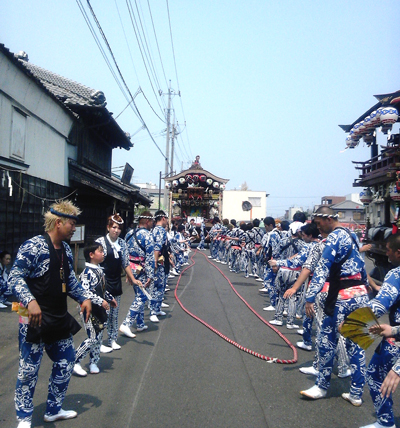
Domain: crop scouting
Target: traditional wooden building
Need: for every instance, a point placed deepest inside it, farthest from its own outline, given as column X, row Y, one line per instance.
column 56, row 140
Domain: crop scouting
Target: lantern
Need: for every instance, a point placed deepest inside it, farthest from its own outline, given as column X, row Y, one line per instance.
column 366, row 196
column 368, row 138
column 356, row 128
column 182, row 180
column 222, row 186
column 367, row 122
column 375, row 118
column 388, row 115
column 216, row 185
column 351, row 143
column 353, row 135
column 209, row 181
column 167, row 185
column 363, row 128
column 394, row 192
column 196, row 178
column 203, row 178
column 189, row 178
column 175, row 183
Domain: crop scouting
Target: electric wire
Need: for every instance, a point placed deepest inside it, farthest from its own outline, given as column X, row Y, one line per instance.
column 176, row 73
column 189, row 154
column 32, row 194
column 135, row 108
column 148, row 102
column 158, row 47
column 133, row 64
column 126, row 41
column 109, row 48
column 144, row 32
column 97, row 41
column 136, row 94
column 140, row 44
column 172, row 43
column 184, row 147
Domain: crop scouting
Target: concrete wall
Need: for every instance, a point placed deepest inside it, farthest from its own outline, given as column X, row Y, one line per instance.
column 232, row 205
column 33, row 126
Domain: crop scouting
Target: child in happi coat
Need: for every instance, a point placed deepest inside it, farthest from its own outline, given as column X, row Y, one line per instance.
column 92, row 278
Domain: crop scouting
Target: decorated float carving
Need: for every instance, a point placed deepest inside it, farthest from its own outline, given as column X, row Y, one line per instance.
column 196, row 192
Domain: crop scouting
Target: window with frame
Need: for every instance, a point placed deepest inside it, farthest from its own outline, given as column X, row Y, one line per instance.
column 18, row 134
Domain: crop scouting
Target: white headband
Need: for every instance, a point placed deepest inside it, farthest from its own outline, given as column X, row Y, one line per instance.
column 335, row 216
column 115, row 220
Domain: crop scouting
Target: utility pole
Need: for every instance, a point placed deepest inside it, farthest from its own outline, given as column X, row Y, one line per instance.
column 167, row 143
column 172, row 145
column 167, row 173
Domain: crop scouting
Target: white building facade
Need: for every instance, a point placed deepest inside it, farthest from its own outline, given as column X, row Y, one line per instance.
column 233, row 202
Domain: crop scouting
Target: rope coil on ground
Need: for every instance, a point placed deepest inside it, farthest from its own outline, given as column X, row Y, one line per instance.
column 232, row 342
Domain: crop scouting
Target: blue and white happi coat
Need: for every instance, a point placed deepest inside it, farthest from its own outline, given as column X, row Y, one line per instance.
column 33, row 261
column 387, row 355
column 120, row 251
column 311, row 264
column 271, row 247
column 119, row 248
column 221, row 255
column 144, row 251
column 340, row 244
column 235, row 253
column 202, row 236
column 178, row 249
column 157, row 293
column 253, row 239
column 213, row 233
column 3, row 283
column 337, row 245
column 90, row 278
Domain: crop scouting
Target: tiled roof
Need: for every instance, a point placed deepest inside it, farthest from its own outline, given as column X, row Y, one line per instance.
column 66, row 90
column 77, row 99
column 11, row 56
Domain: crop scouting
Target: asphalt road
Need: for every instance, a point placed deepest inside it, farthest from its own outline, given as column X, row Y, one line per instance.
column 179, row 373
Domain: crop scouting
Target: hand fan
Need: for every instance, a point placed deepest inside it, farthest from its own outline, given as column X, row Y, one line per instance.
column 356, row 327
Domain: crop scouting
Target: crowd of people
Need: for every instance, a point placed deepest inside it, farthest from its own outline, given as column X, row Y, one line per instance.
column 42, row 277
column 309, row 270
column 316, row 270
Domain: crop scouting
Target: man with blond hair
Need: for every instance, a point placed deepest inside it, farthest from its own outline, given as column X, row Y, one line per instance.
column 41, row 279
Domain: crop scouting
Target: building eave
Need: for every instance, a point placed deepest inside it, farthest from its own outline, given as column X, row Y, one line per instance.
column 122, row 192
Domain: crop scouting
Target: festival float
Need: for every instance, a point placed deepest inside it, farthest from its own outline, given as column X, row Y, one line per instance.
column 196, row 193
column 379, row 176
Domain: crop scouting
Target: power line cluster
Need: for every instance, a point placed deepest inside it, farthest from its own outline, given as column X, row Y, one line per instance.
column 137, row 23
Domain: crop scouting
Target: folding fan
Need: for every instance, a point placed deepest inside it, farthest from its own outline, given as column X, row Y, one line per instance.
column 356, row 327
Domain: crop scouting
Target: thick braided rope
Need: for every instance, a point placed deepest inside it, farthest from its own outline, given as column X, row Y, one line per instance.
column 237, row 345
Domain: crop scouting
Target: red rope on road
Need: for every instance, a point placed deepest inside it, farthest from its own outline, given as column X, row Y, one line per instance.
column 232, row 342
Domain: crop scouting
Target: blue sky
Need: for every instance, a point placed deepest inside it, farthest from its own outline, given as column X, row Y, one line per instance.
column 264, row 85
